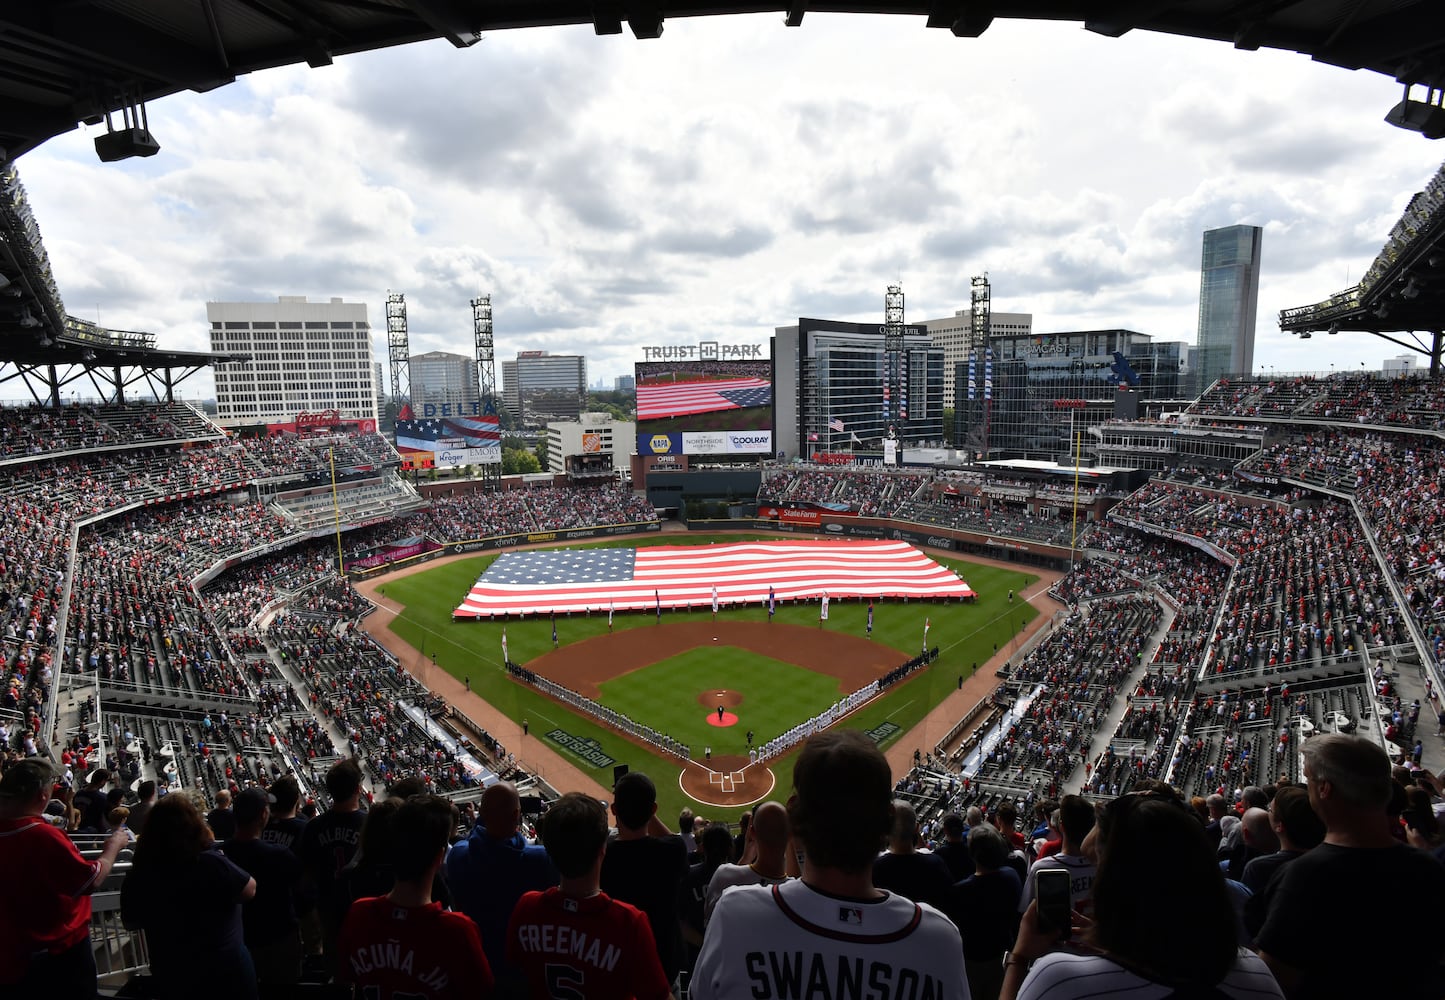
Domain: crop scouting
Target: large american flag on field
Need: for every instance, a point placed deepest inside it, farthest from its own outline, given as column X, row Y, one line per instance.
column 678, row 399
column 547, row 580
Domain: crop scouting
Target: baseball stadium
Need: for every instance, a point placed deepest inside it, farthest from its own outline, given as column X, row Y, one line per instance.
column 780, row 696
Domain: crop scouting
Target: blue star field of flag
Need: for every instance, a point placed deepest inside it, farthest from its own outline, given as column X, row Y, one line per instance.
column 552, row 566
column 760, row 396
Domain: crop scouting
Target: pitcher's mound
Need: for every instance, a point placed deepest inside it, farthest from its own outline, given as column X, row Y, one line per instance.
column 713, row 697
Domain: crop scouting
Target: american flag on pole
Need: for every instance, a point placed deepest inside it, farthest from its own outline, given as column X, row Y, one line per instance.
column 505, row 660
column 835, row 424
column 542, row 580
column 657, row 401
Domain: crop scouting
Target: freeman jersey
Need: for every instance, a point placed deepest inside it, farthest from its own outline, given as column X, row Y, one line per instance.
column 792, row 942
column 584, row 949
column 396, row 951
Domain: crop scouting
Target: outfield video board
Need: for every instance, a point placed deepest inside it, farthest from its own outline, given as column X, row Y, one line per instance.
column 704, row 407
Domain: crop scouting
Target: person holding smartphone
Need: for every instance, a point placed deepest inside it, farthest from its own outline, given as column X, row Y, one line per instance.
column 1141, row 942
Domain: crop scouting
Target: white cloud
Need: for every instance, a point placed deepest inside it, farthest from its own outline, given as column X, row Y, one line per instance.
column 735, row 175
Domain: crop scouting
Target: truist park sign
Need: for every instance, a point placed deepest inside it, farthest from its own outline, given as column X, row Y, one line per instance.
column 707, row 350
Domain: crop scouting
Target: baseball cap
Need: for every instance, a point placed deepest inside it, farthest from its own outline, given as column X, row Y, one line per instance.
column 250, row 803
column 27, row 778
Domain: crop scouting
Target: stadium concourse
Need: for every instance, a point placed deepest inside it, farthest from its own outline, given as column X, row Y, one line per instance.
column 172, row 615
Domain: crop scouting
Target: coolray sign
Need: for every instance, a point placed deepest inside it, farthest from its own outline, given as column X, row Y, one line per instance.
column 584, row 749
column 706, row 350
column 756, row 441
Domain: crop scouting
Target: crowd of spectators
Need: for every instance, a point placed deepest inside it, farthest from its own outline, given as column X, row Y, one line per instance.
column 1356, row 398
column 34, row 431
column 868, row 493
column 1066, row 687
column 1090, row 578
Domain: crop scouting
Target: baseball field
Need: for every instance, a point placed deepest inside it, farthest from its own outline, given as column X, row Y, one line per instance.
column 674, row 673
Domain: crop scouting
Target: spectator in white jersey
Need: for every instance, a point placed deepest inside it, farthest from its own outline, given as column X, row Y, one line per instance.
column 831, row 930
column 769, row 833
column 1076, row 819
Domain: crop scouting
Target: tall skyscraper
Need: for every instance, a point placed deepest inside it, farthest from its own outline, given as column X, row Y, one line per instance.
column 305, row 357
column 538, row 386
column 1228, row 301
column 439, row 378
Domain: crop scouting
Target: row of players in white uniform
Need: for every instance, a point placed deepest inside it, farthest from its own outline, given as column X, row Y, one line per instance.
column 782, row 744
column 612, row 717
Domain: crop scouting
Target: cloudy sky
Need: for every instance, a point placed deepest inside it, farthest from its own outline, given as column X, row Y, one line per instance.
column 735, row 175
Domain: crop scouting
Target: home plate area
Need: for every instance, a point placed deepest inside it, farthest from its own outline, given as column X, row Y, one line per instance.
column 735, row 783
column 727, row 782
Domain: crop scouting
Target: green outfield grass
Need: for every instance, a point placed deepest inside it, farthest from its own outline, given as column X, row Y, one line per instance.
column 776, row 696
column 966, row 635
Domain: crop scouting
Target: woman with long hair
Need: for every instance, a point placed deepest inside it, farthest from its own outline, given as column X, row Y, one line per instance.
column 1163, row 923
column 187, row 897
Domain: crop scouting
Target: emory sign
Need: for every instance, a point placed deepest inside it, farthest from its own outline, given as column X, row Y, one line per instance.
column 707, row 350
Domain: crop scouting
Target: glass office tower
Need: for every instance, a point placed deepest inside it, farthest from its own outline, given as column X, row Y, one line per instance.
column 1228, row 301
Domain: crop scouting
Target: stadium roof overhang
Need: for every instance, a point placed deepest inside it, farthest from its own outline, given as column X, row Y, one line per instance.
column 63, row 63
column 1402, row 297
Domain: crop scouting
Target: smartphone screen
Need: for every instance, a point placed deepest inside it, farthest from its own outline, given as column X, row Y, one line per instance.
column 1055, row 904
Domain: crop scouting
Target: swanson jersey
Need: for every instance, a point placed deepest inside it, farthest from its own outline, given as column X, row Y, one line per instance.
column 792, row 942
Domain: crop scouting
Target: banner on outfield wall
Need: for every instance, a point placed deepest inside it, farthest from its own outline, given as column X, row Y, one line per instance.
column 506, row 541
column 922, row 538
column 1208, row 548
column 404, row 548
column 706, row 443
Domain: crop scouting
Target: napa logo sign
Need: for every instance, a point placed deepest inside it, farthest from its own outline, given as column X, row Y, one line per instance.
column 664, row 444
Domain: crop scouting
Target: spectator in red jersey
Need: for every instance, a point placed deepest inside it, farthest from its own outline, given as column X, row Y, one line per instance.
column 404, row 944
column 574, row 940
column 45, row 908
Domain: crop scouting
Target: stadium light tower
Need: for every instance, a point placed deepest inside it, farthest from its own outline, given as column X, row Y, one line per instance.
column 895, row 384
column 398, row 348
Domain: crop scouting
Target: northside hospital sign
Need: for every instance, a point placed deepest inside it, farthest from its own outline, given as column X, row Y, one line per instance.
column 707, row 350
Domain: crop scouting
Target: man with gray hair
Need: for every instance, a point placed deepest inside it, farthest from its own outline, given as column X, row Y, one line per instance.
column 1310, row 951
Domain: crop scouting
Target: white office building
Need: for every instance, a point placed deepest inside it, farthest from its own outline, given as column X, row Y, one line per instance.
column 306, row 357
column 590, row 434
column 952, row 334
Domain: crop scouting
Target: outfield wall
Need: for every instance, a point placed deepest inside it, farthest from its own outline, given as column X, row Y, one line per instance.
column 965, row 542
column 500, row 542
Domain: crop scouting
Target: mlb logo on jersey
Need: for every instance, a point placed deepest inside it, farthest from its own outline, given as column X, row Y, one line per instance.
column 570, row 905
column 850, row 915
